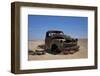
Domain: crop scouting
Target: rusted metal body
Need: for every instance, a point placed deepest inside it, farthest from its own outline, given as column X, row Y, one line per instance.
column 56, row 41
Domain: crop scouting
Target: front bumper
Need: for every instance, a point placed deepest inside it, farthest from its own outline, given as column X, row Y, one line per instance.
column 72, row 48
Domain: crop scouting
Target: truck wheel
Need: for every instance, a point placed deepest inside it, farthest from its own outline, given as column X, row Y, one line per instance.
column 72, row 51
column 55, row 49
column 66, row 52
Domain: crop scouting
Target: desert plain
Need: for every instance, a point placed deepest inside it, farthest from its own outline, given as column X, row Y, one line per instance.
column 33, row 45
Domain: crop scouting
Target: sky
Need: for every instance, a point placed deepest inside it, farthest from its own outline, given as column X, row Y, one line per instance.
column 38, row 25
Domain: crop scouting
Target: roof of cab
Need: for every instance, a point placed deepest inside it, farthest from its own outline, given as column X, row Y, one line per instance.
column 54, row 31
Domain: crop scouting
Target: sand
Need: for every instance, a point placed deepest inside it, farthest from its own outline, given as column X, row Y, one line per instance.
column 82, row 53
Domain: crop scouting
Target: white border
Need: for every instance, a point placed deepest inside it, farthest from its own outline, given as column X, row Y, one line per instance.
column 25, row 64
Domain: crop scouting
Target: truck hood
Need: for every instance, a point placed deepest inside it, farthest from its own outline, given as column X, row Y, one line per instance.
column 64, row 37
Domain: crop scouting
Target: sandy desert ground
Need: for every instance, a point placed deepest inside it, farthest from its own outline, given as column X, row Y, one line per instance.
column 82, row 53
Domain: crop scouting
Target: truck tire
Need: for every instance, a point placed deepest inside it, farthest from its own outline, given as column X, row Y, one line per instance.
column 55, row 49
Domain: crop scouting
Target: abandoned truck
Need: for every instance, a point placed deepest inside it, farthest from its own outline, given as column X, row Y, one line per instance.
column 56, row 41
